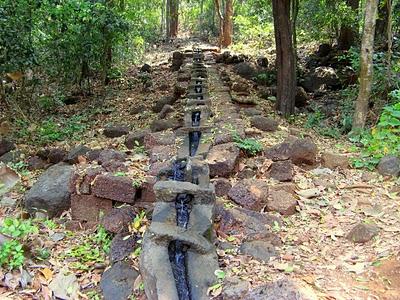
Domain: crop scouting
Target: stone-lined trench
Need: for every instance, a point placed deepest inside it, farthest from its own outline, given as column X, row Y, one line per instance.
column 179, row 259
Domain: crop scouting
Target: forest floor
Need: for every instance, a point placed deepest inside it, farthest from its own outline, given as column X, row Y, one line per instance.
column 314, row 252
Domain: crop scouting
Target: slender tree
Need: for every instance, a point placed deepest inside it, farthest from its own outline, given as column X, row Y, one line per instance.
column 285, row 57
column 228, row 23
column 174, row 10
column 366, row 71
column 225, row 22
column 382, row 23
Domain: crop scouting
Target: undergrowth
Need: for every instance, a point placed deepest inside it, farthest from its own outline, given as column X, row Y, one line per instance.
column 248, row 145
column 12, row 254
column 51, row 130
column 383, row 139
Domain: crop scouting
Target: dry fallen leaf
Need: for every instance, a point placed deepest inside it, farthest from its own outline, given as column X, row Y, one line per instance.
column 47, row 273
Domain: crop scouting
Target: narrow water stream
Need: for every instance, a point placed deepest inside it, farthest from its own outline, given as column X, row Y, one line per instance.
column 177, row 250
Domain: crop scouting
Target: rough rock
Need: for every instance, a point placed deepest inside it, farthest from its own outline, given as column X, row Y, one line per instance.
column 56, row 155
column 184, row 76
column 6, row 146
column 73, row 155
column 263, row 123
column 146, row 68
column 117, row 188
column 321, row 77
column 51, row 191
column 159, row 139
column 281, row 170
column 165, row 111
column 250, row 193
column 252, row 111
column 82, row 183
column 118, row 219
column 303, row 151
column 241, row 87
column 389, row 166
column 324, row 50
column 282, row 202
column 287, row 187
column 362, row 233
column 260, row 250
column 301, row 98
column 162, row 153
column 254, row 225
column 161, row 125
column 117, row 283
column 235, row 289
column 246, row 173
column 94, row 154
column 111, row 154
column 122, row 246
column 147, row 190
column 332, row 160
column 36, row 163
column 135, row 139
column 89, row 207
column 222, row 186
column 113, row 166
column 278, row 152
column 180, row 89
column 11, row 157
column 279, row 290
column 262, row 61
column 222, row 159
column 158, row 106
column 245, row 69
column 115, row 131
column 177, row 60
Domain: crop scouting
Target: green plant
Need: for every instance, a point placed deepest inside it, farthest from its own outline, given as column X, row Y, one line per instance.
column 21, row 167
column 11, row 252
column 215, row 288
column 139, row 149
column 42, row 254
column 50, row 224
column 383, row 139
column 248, row 145
column 17, row 228
column 92, row 250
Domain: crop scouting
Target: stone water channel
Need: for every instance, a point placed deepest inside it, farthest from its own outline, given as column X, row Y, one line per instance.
column 180, row 258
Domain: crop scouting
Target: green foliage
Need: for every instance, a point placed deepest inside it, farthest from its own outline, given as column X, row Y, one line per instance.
column 322, row 19
column 17, row 228
column 92, row 250
column 69, row 45
column 382, row 140
column 51, row 130
column 253, row 31
column 266, row 78
column 11, row 252
column 248, row 145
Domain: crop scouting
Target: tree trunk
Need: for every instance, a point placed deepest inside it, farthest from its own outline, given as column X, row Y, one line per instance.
column 382, row 23
column 348, row 33
column 167, row 18
column 163, row 15
column 174, row 18
column 221, row 22
column 285, row 60
column 228, row 24
column 366, row 72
